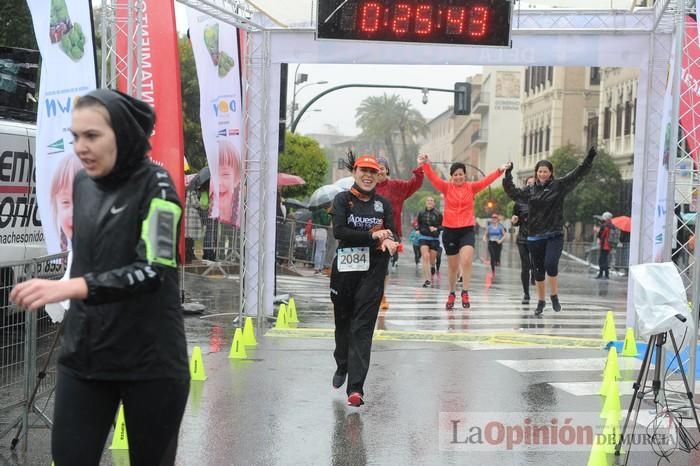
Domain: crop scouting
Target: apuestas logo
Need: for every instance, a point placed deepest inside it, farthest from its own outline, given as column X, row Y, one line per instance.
column 56, row 147
column 60, row 106
column 224, row 106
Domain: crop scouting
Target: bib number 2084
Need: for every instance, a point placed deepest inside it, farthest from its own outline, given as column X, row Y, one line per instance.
column 353, row 259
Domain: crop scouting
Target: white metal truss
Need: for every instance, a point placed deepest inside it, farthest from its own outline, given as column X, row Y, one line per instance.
column 121, row 22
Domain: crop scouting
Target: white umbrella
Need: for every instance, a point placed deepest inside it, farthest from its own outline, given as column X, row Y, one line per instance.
column 345, row 183
column 324, row 195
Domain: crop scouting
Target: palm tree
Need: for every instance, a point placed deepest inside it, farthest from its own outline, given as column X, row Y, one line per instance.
column 380, row 117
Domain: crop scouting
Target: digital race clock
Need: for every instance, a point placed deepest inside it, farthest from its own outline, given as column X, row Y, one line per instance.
column 473, row 22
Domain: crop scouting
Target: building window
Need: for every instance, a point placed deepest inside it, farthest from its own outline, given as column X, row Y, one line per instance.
column 606, row 123
column 634, row 117
column 595, row 76
column 524, row 145
column 550, row 74
column 540, row 146
column 618, row 121
column 592, row 133
column 532, row 138
column 527, row 81
column 546, row 139
column 628, row 118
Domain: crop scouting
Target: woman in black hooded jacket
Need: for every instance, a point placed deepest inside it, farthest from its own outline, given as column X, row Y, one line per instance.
column 123, row 335
column 545, row 201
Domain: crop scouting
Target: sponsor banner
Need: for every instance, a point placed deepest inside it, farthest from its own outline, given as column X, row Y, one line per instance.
column 159, row 84
column 64, row 34
column 689, row 110
column 215, row 46
column 661, row 205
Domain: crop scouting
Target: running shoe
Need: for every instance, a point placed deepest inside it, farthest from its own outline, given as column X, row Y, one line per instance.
column 555, row 303
column 450, row 300
column 540, row 308
column 355, row 399
column 465, row 299
column 526, row 299
column 385, row 304
column 339, row 379
column 426, row 284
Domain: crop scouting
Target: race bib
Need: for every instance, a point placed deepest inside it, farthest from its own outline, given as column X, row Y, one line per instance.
column 353, row 259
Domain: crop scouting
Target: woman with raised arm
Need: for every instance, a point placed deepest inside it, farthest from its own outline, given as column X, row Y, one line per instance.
column 458, row 221
column 545, row 201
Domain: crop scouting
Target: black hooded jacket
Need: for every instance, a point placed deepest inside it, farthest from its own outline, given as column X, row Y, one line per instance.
column 125, row 236
column 546, row 201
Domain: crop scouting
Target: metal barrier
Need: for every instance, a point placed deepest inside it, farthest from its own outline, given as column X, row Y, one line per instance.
column 25, row 342
column 300, row 243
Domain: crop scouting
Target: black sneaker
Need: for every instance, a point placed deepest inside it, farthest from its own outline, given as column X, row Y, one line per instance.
column 426, row 284
column 540, row 308
column 555, row 303
column 526, row 299
column 339, row 379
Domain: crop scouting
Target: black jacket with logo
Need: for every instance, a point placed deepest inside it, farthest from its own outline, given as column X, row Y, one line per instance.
column 354, row 220
column 546, row 201
column 430, row 218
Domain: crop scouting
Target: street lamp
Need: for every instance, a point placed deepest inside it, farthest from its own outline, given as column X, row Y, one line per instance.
column 298, row 79
column 314, row 110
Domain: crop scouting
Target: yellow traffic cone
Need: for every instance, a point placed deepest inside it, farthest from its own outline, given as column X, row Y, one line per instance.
column 598, row 457
column 612, row 364
column 608, row 378
column 197, row 371
column 611, row 407
column 282, row 317
column 238, row 346
column 611, row 434
column 609, row 331
column 630, row 347
column 120, row 441
column 249, row 333
column 292, row 312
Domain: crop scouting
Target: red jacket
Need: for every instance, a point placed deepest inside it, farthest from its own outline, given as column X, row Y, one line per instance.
column 604, row 237
column 397, row 191
column 459, row 200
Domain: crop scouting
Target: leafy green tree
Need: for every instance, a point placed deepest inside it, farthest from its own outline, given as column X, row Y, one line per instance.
column 416, row 203
column 494, row 200
column 596, row 193
column 303, row 157
column 382, row 119
column 16, row 27
column 189, row 85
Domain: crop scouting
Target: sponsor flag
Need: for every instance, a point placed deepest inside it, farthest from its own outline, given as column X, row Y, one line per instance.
column 689, row 110
column 64, row 34
column 216, row 52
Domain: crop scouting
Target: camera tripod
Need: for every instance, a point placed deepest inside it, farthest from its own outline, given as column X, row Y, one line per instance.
column 655, row 341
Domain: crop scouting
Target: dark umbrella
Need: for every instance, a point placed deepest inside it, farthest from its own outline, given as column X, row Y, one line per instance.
column 295, row 204
column 200, row 179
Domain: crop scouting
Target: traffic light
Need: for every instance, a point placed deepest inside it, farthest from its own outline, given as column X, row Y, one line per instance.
column 463, row 99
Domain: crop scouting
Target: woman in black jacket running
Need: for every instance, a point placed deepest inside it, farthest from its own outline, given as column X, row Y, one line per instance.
column 545, row 200
column 364, row 227
column 124, row 336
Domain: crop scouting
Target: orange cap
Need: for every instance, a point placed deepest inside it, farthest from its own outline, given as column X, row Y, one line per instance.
column 367, row 161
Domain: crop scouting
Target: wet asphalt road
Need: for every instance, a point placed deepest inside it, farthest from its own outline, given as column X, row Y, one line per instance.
column 278, row 407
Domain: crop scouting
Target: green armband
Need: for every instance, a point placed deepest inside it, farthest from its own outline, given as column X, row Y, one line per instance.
column 159, row 232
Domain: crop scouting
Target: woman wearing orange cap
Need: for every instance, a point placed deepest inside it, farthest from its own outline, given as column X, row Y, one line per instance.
column 363, row 224
column 458, row 222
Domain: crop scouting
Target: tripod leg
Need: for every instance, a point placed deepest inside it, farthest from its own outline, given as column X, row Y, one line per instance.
column 688, row 393
column 636, row 396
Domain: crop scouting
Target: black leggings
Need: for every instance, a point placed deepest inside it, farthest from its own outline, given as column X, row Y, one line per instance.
column 525, row 267
column 545, row 254
column 495, row 254
column 85, row 410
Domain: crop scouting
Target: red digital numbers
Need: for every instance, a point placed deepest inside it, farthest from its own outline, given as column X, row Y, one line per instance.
column 423, row 19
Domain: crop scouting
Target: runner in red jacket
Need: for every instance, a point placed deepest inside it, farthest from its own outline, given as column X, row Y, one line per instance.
column 458, row 221
column 396, row 192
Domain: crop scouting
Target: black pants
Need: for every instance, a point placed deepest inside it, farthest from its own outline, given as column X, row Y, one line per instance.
column 85, row 411
column 604, row 263
column 495, row 249
column 525, row 267
column 416, row 254
column 545, row 254
column 356, row 297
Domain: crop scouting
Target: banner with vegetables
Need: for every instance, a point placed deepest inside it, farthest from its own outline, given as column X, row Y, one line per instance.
column 215, row 47
column 64, row 34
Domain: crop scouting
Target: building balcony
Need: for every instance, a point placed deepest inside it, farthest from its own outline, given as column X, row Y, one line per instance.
column 480, row 138
column 480, row 103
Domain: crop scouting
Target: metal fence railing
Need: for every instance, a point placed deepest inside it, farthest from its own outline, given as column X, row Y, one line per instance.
column 302, row 243
column 26, row 340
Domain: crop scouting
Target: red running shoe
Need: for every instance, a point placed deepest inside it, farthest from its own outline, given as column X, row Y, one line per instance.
column 355, row 399
column 450, row 301
column 465, row 299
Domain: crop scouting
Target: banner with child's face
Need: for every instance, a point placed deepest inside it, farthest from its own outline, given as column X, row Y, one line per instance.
column 215, row 48
column 64, row 34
